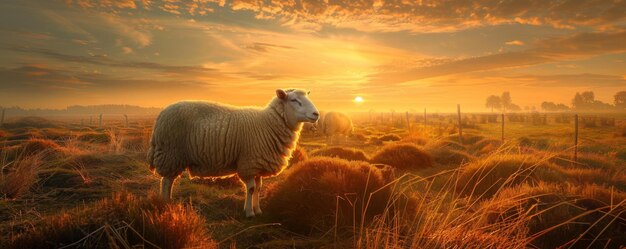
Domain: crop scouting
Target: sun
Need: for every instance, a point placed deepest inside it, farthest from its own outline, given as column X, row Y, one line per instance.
column 358, row 99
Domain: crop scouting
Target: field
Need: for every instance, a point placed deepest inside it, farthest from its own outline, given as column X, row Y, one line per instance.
column 74, row 183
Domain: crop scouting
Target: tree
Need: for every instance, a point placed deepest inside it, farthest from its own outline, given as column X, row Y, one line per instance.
column 506, row 100
column 548, row 106
column 578, row 102
column 493, row 101
column 588, row 97
column 620, row 100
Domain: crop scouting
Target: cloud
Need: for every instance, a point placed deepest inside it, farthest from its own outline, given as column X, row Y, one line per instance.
column 266, row 47
column 515, row 43
column 578, row 46
column 416, row 16
column 103, row 60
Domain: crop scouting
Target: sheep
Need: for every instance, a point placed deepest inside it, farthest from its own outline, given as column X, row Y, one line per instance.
column 336, row 123
column 216, row 140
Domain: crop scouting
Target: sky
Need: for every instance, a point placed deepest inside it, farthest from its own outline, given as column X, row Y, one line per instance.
column 395, row 54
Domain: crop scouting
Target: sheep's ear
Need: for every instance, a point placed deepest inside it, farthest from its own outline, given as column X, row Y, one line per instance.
column 281, row 94
column 308, row 93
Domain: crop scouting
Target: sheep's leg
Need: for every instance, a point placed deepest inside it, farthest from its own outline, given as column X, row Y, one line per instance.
column 247, row 207
column 258, row 183
column 166, row 187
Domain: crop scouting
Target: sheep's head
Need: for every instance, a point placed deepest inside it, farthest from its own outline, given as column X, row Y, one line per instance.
column 298, row 107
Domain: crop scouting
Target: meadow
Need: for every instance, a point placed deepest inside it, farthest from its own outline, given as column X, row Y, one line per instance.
column 394, row 183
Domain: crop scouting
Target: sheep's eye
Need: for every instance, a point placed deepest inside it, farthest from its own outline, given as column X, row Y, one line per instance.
column 295, row 100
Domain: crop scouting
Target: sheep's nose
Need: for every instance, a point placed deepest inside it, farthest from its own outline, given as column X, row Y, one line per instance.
column 316, row 114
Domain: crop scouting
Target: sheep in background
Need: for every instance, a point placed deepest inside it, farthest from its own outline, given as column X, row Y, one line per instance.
column 336, row 123
column 215, row 140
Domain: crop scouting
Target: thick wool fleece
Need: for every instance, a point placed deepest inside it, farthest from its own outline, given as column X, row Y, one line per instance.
column 337, row 123
column 216, row 140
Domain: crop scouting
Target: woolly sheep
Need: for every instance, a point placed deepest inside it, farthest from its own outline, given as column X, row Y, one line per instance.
column 336, row 123
column 216, row 140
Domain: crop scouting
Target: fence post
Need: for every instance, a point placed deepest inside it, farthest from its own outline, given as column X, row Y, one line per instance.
column 408, row 122
column 502, row 127
column 2, row 117
column 576, row 138
column 458, row 110
column 424, row 116
column 126, row 117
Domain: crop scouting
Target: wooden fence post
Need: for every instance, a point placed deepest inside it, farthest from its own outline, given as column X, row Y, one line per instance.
column 2, row 117
column 576, row 138
column 458, row 110
column 502, row 127
column 126, row 117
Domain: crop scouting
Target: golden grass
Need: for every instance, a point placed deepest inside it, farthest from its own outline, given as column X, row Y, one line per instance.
column 403, row 157
column 325, row 194
column 123, row 221
column 485, row 177
column 346, row 153
column 18, row 176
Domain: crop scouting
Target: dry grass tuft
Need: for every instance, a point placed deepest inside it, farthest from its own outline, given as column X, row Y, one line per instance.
column 445, row 155
column 350, row 154
column 37, row 146
column 486, row 177
column 326, row 193
column 415, row 139
column 403, row 157
column 581, row 216
column 123, row 221
column 19, row 175
column 93, row 137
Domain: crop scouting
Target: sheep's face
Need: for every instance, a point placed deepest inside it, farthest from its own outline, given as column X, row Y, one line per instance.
column 298, row 107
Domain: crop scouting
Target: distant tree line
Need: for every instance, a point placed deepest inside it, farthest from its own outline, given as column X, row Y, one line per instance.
column 83, row 110
column 584, row 101
column 502, row 102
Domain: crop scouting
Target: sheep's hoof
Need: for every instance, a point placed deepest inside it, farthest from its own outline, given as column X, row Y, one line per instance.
column 249, row 214
column 257, row 211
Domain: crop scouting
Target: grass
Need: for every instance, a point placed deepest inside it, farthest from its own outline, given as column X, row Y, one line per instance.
column 403, row 157
column 341, row 152
column 331, row 192
column 92, row 186
column 120, row 221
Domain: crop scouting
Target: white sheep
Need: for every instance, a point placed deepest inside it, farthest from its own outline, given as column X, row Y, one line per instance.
column 336, row 123
column 215, row 140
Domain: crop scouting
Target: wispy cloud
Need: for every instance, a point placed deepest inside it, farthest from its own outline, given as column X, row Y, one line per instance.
column 578, row 46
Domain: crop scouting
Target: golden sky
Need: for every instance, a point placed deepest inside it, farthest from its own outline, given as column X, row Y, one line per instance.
column 399, row 54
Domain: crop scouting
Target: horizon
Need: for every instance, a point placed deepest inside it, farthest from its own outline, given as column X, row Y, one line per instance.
column 393, row 55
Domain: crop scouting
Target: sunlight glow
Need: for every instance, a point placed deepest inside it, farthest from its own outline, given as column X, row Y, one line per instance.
column 358, row 99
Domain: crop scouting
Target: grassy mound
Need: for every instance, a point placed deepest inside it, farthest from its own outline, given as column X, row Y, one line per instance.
column 486, row 146
column 37, row 122
column 486, row 177
column 418, row 140
column 123, row 221
column 327, row 191
column 350, row 154
column 445, row 155
column 403, row 157
column 389, row 138
column 582, row 216
column 101, row 138
column 36, row 146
